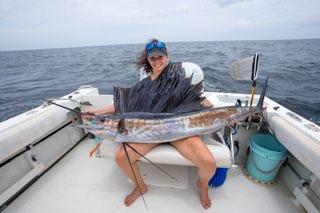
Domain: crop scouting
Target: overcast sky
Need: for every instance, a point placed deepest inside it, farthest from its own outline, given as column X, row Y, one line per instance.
column 37, row 24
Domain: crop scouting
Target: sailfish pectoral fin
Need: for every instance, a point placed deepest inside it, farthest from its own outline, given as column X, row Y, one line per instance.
column 217, row 124
column 121, row 127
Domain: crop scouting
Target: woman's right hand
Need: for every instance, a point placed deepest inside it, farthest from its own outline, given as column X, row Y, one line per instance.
column 88, row 115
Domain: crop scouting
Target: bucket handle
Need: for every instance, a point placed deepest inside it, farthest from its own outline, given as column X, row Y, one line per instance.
column 269, row 171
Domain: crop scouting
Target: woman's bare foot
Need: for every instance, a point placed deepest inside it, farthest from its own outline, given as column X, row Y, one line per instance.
column 130, row 198
column 204, row 196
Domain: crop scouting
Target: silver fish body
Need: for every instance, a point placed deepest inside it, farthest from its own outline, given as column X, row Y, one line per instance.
column 167, row 128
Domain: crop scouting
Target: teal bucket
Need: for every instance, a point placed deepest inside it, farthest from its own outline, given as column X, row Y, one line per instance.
column 265, row 157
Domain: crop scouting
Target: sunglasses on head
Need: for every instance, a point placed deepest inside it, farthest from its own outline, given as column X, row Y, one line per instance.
column 155, row 44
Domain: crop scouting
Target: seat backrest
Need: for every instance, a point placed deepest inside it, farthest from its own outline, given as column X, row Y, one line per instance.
column 190, row 69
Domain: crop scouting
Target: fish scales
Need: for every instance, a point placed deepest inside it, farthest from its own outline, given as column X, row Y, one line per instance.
column 160, row 130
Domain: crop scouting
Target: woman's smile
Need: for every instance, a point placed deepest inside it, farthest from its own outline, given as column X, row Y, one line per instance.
column 158, row 63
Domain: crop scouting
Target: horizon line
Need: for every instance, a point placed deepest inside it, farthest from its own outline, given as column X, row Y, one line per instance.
column 120, row 44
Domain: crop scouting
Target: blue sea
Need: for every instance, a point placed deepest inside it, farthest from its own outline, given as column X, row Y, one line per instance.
column 292, row 65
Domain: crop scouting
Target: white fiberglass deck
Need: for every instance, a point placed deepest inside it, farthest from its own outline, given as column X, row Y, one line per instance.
column 82, row 184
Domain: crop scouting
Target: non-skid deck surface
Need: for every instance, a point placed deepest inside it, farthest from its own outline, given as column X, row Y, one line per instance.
column 82, row 184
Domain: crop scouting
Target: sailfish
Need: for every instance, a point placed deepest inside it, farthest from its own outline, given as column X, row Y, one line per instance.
column 141, row 127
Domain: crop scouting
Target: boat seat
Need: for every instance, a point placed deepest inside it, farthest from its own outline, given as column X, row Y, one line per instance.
column 167, row 154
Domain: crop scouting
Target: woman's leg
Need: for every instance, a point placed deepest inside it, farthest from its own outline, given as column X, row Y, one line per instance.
column 196, row 151
column 122, row 160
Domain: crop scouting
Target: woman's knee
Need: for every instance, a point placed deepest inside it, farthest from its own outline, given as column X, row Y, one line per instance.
column 209, row 162
column 206, row 158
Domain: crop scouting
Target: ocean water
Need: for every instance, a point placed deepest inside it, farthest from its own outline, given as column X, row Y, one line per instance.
column 292, row 65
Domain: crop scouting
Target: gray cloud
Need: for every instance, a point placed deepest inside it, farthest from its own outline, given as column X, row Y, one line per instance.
column 29, row 24
column 225, row 3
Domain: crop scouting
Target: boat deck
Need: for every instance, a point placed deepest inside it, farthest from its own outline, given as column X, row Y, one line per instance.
column 78, row 183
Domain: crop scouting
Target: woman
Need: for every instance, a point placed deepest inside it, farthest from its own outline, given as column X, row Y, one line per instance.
column 158, row 68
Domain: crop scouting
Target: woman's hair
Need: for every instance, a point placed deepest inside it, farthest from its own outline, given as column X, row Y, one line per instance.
column 142, row 61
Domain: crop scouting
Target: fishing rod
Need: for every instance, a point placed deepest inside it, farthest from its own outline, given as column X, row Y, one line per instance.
column 254, row 76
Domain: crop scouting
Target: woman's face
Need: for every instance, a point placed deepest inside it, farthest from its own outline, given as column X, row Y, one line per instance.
column 158, row 62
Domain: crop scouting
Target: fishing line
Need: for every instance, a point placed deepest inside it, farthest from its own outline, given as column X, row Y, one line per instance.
column 151, row 162
column 134, row 174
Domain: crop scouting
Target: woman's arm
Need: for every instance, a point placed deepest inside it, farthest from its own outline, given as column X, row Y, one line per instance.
column 109, row 109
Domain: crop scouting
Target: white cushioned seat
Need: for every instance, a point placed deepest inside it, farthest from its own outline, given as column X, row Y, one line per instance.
column 167, row 154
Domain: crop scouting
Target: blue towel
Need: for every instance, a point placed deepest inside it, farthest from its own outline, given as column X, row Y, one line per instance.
column 219, row 177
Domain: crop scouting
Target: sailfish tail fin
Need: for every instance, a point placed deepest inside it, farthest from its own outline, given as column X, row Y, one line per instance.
column 263, row 94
